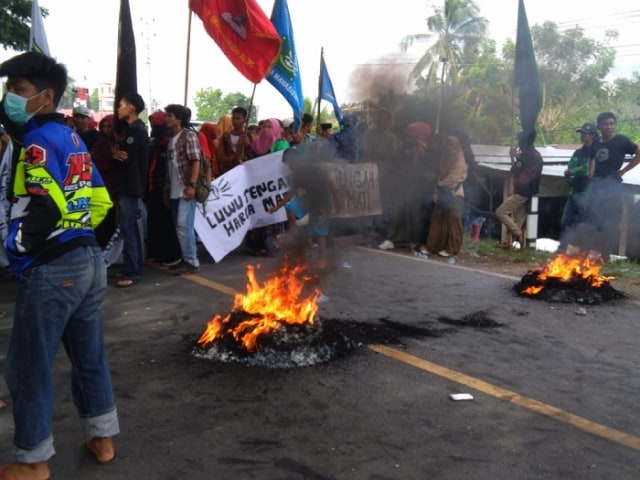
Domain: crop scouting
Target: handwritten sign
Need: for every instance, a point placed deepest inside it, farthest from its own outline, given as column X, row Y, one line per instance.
column 356, row 189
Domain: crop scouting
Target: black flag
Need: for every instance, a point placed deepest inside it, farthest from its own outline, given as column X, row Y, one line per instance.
column 126, row 73
column 526, row 75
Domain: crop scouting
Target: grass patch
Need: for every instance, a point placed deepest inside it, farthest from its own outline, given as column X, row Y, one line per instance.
column 490, row 248
column 629, row 270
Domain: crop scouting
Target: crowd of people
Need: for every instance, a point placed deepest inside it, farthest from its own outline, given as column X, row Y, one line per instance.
column 64, row 213
column 591, row 217
column 593, row 211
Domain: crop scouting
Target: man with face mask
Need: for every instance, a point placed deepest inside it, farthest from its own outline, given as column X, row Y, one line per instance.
column 58, row 199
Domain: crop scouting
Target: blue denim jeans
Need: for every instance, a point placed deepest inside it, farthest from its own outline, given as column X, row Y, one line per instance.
column 184, row 217
column 132, row 253
column 572, row 215
column 60, row 301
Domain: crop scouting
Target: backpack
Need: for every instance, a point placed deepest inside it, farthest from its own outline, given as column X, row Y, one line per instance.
column 203, row 183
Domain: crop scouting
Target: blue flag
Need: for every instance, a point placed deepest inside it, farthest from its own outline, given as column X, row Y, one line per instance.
column 326, row 89
column 285, row 74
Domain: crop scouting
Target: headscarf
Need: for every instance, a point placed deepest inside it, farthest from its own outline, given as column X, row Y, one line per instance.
column 209, row 129
column 103, row 120
column 158, row 126
column 101, row 155
column 157, row 117
column 420, row 132
column 224, row 125
column 267, row 137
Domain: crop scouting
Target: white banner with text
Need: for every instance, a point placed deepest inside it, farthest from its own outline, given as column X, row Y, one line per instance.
column 241, row 198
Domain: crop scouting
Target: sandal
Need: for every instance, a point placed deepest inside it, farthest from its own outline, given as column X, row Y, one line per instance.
column 126, row 283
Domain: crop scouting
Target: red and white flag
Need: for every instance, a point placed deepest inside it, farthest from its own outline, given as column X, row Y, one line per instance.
column 243, row 32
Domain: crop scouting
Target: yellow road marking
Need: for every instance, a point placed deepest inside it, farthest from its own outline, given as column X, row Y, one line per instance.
column 532, row 404
column 205, row 282
column 542, row 408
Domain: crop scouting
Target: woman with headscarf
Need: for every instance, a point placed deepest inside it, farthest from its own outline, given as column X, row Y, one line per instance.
column 445, row 229
column 101, row 156
column 223, row 127
column 269, row 134
column 209, row 130
column 269, row 140
column 410, row 184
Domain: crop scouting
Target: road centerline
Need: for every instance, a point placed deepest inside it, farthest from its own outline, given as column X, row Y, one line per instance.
column 563, row 416
column 529, row 403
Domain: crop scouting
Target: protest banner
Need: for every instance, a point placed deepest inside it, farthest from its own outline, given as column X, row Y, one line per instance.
column 240, row 199
column 356, row 189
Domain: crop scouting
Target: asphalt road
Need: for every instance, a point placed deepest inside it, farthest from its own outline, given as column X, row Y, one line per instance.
column 554, row 390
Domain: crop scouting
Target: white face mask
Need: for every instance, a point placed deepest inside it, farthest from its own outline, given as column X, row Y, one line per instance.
column 15, row 107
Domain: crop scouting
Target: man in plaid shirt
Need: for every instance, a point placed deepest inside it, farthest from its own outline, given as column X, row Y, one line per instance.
column 183, row 158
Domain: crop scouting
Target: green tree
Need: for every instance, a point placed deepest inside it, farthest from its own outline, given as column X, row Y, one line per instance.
column 15, row 24
column 485, row 99
column 625, row 103
column 212, row 104
column 573, row 70
column 454, row 33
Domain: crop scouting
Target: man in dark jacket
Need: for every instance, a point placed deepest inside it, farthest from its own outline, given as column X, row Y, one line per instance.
column 526, row 170
column 132, row 158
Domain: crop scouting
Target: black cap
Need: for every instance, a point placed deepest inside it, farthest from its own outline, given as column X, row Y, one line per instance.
column 589, row 128
column 326, row 126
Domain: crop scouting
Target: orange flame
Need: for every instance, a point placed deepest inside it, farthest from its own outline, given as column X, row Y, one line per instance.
column 269, row 306
column 566, row 268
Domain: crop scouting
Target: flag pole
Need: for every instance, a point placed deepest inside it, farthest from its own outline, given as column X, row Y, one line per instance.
column 319, row 89
column 186, row 70
column 246, row 125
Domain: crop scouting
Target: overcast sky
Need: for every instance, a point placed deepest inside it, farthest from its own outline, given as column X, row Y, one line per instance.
column 357, row 36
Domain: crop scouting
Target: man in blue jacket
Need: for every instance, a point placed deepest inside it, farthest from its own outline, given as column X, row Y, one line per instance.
column 58, row 199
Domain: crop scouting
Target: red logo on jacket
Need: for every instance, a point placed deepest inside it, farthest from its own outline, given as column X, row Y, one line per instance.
column 79, row 172
column 35, row 155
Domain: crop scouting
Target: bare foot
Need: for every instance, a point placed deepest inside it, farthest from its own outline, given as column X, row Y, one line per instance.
column 103, row 448
column 25, row 471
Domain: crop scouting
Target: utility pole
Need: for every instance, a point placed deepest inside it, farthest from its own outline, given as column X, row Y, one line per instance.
column 148, row 34
column 444, row 61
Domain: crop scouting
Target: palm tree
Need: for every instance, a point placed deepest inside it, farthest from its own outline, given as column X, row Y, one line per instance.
column 454, row 33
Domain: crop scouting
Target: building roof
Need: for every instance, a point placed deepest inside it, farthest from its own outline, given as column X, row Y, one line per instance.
column 496, row 157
